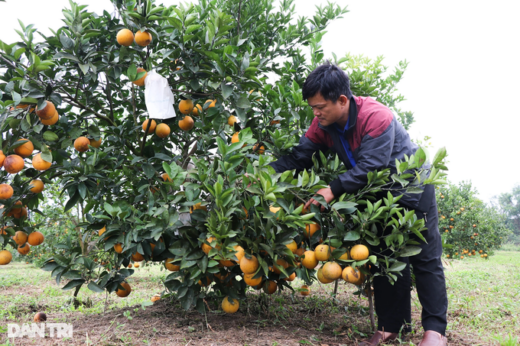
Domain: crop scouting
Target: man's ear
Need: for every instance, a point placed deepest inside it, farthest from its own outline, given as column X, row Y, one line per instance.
column 343, row 100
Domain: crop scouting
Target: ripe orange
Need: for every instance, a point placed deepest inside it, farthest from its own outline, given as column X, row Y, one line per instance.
column 6, row 191
column 40, row 164
column 35, row 238
column 359, row 252
column 196, row 110
column 20, row 237
column 125, row 291
column 152, row 126
column 198, row 206
column 207, row 248
column 26, row 149
column 13, row 164
column 52, row 120
column 118, row 248
column 94, row 143
column 210, row 103
column 187, row 123
column 37, row 186
column 40, row 317
column 155, row 298
column 235, row 138
column 321, row 278
column 227, row 263
column 353, row 275
column 259, row 151
column 281, row 262
column 140, row 81
column 170, row 266
column 205, row 281
column 136, row 265
column 186, row 106
column 231, row 120
column 250, row 281
column 292, row 246
column 345, row 256
column 137, row 257
column 81, row 144
column 125, row 37
column 5, row 257
column 24, row 249
column 166, row 177
column 47, row 112
column 239, row 252
column 274, row 122
column 2, row 158
column 331, row 271
column 309, row 261
column 322, row 252
column 143, row 38
column 21, row 214
column 230, row 306
column 249, row 266
column 270, row 287
column 310, row 229
column 103, row 230
column 305, row 290
column 162, row 130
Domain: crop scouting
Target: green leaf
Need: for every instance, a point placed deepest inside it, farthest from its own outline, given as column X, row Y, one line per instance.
column 243, row 101
column 348, row 206
column 46, row 154
column 149, row 170
column 192, row 28
column 73, row 283
column 95, row 287
column 227, row 90
column 439, row 156
column 352, row 236
column 50, row 136
column 72, row 201
column 410, row 251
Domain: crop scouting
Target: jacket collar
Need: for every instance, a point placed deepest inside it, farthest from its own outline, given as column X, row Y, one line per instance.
column 352, row 117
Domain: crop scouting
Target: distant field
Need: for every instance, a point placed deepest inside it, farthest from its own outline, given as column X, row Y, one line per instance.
column 484, row 309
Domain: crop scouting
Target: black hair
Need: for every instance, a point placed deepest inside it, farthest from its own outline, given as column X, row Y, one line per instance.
column 328, row 80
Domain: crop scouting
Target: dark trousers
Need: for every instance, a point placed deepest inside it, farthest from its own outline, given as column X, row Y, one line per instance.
column 392, row 302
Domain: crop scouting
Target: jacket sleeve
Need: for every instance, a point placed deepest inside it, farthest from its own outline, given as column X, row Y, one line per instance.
column 300, row 158
column 374, row 154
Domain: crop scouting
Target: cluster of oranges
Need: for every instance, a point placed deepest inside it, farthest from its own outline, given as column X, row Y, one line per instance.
column 24, row 243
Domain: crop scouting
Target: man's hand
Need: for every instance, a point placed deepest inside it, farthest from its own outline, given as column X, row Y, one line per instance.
column 326, row 193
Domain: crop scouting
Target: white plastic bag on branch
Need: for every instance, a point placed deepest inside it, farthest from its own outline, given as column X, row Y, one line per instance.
column 158, row 96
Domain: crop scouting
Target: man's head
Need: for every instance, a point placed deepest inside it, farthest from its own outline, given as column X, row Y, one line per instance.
column 327, row 91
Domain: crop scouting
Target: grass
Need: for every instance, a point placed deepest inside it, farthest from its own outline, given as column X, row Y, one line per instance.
column 484, row 306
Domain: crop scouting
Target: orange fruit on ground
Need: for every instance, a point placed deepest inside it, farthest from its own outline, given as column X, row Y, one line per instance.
column 6, row 191
column 230, row 306
column 198, row 206
column 94, row 143
column 40, row 164
column 5, row 257
column 35, row 238
column 210, row 103
column 118, row 248
column 292, row 246
column 81, row 144
column 270, row 287
column 143, row 38
column 259, row 151
column 187, row 123
column 13, row 164
column 331, row 271
column 37, row 186
column 291, row 277
column 207, row 248
column 152, row 126
column 26, row 149
column 136, row 265
column 239, row 252
column 250, row 281
column 125, row 291
column 166, row 177
column 235, row 138
column 140, row 81
column 24, row 249
column 52, row 120
column 186, row 106
column 20, row 237
column 2, row 158
column 137, row 257
column 40, row 317
column 231, row 120
column 155, row 298
column 321, row 278
column 249, row 266
column 196, row 110
column 162, row 130
column 359, row 252
column 310, row 229
column 309, row 260
column 305, row 290
column 353, row 275
column 170, row 266
column 322, row 252
column 47, row 112
column 125, row 37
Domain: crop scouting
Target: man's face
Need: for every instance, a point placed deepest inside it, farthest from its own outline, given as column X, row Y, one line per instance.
column 329, row 112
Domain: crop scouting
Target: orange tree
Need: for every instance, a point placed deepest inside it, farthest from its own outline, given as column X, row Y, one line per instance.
column 469, row 226
column 196, row 195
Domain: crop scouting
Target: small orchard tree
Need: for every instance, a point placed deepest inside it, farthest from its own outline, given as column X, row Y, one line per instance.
column 469, row 226
column 197, row 195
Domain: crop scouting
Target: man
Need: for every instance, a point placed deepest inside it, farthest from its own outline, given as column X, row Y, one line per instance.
column 367, row 137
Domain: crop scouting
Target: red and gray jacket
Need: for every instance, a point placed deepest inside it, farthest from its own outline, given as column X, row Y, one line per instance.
column 375, row 138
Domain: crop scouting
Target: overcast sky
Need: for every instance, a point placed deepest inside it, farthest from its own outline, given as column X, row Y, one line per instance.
column 462, row 82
